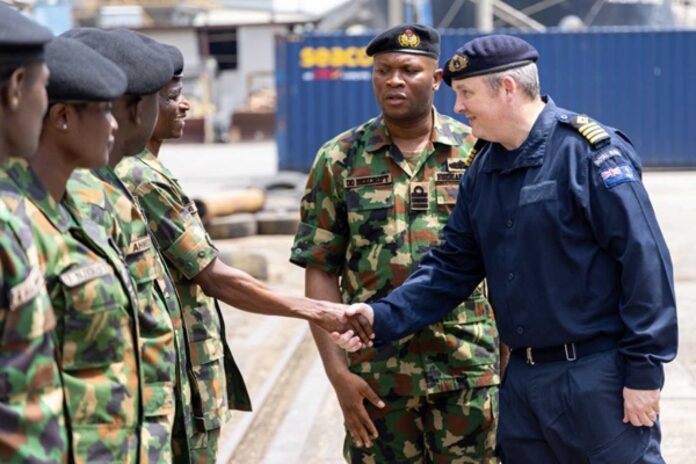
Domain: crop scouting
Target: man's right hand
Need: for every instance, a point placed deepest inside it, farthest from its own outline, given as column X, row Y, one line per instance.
column 361, row 319
column 352, row 391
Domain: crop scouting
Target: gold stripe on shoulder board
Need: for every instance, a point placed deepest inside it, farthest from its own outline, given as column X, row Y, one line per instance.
column 589, row 129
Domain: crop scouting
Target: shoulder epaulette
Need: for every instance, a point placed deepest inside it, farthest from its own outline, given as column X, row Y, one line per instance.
column 589, row 129
column 473, row 151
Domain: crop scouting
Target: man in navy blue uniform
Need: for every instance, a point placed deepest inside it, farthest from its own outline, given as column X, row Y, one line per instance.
column 554, row 214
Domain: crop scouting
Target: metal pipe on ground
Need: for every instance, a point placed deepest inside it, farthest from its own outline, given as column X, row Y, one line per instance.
column 248, row 200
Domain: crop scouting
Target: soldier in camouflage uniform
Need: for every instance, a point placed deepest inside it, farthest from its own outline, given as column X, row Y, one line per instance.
column 89, row 286
column 376, row 199
column 100, row 195
column 32, row 427
column 199, row 275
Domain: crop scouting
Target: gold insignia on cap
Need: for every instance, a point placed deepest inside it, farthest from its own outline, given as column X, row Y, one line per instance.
column 409, row 39
column 458, row 63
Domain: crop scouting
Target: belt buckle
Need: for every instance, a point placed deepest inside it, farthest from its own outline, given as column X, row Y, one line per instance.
column 530, row 359
column 570, row 356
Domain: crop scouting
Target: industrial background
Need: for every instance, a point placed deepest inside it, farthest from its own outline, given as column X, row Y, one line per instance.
column 640, row 81
column 271, row 80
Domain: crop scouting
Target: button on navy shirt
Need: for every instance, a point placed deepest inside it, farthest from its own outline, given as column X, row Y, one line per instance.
column 566, row 236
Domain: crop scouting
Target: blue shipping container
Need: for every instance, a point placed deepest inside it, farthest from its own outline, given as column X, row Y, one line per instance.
column 635, row 80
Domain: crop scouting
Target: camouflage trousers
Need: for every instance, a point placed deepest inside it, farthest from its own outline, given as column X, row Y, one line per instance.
column 452, row 427
column 203, row 447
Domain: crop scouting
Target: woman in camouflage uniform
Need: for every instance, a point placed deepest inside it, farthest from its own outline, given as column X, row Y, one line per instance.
column 31, row 398
column 87, row 280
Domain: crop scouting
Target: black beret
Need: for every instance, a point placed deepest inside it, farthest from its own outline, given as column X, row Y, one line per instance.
column 489, row 54
column 146, row 69
column 79, row 73
column 407, row 38
column 176, row 58
column 173, row 53
column 21, row 39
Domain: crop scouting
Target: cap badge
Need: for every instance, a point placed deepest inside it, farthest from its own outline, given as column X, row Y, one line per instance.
column 409, row 39
column 458, row 63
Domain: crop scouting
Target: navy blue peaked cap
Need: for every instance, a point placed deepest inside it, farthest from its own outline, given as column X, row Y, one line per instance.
column 147, row 69
column 21, row 39
column 79, row 73
column 486, row 55
column 407, row 38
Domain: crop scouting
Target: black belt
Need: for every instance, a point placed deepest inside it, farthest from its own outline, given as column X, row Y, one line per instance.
column 568, row 351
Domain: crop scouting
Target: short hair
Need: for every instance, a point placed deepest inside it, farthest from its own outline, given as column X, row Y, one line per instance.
column 526, row 76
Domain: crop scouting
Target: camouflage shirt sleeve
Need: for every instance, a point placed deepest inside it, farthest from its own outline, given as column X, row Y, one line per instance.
column 176, row 226
column 322, row 235
column 31, row 399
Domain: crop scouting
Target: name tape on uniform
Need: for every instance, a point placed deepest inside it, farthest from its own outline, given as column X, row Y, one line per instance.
column 446, row 177
column 138, row 245
column 27, row 290
column 604, row 155
column 84, row 274
column 367, row 181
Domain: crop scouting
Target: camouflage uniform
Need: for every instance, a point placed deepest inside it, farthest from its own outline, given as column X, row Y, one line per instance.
column 187, row 248
column 166, row 390
column 370, row 216
column 32, row 427
column 96, row 330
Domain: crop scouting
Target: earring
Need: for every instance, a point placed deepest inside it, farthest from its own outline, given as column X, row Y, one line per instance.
column 64, row 126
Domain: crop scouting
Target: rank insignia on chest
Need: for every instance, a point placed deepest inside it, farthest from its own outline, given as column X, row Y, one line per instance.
column 419, row 196
column 367, row 181
column 456, row 165
column 447, row 177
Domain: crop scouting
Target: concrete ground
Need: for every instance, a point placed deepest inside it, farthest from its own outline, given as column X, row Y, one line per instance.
column 298, row 419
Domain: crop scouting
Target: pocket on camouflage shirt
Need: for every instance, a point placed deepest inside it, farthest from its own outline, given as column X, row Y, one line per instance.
column 470, row 332
column 370, row 213
column 142, row 262
column 95, row 325
column 446, row 198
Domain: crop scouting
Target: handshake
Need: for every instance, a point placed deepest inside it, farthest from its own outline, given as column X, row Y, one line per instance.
column 350, row 326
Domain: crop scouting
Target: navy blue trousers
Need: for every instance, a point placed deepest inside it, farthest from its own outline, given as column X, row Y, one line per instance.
column 571, row 412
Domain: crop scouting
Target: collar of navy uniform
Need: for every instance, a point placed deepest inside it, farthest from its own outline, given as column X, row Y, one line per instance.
column 531, row 152
column 35, row 191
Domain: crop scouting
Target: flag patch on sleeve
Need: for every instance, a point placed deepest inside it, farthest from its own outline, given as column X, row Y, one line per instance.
column 616, row 175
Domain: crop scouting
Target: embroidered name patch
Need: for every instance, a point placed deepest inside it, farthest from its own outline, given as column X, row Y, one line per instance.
column 616, row 175
column 84, row 274
column 136, row 246
column 447, row 177
column 367, row 181
column 605, row 155
column 26, row 291
column 456, row 165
